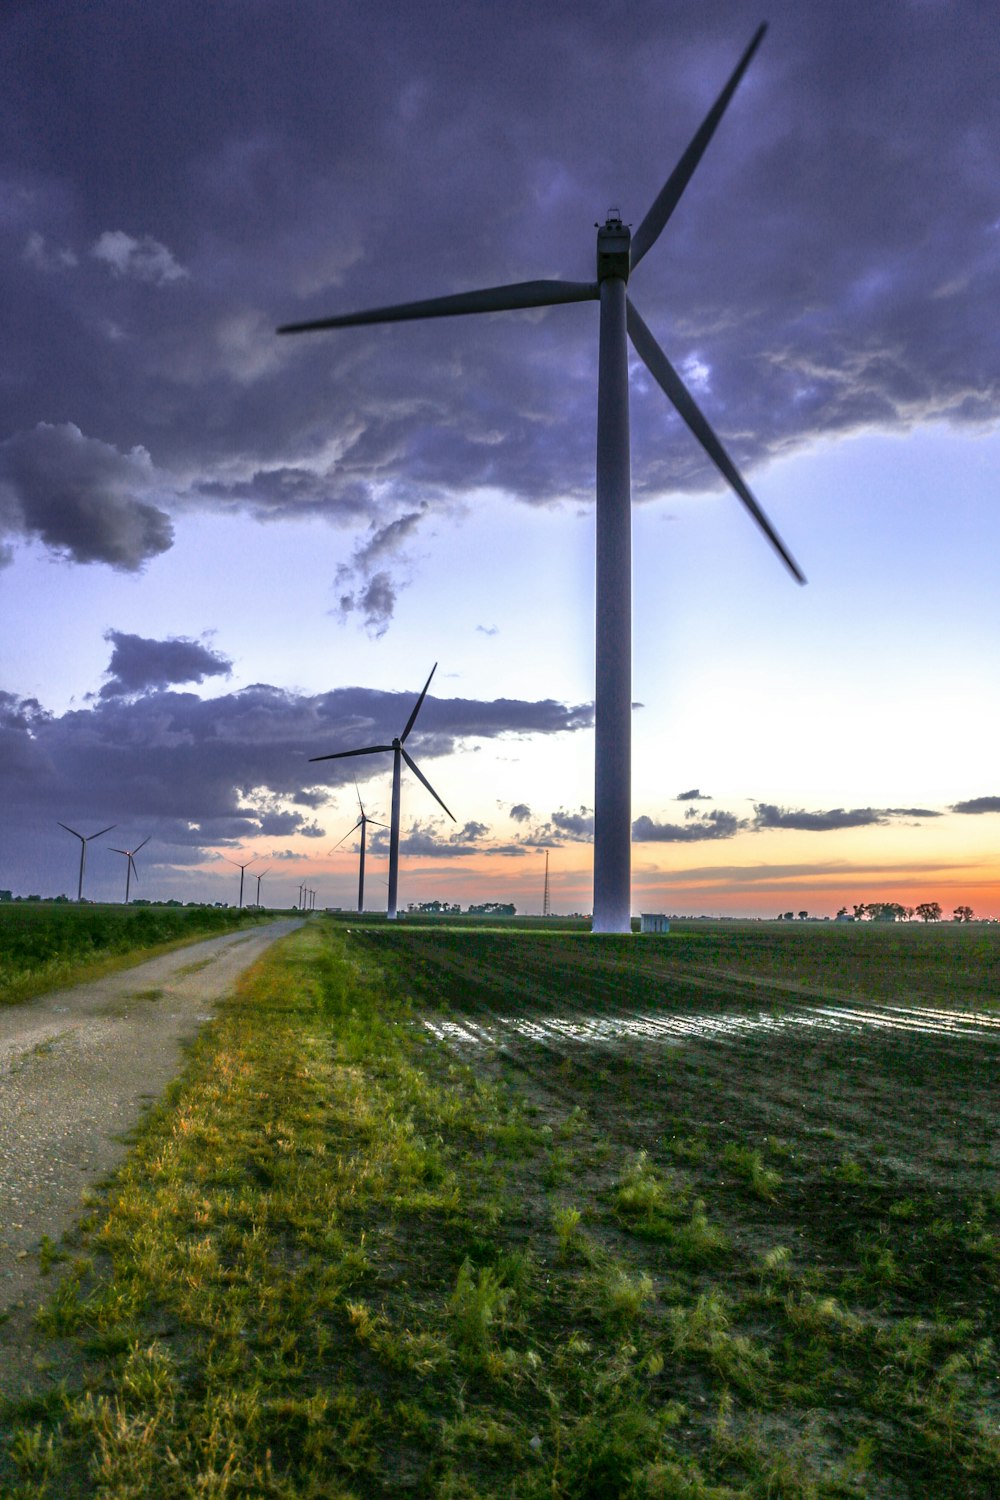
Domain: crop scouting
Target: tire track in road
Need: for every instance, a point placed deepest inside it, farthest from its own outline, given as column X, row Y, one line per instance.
column 77, row 1069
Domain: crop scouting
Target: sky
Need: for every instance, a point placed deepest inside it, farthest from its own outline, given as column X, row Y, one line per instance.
column 223, row 552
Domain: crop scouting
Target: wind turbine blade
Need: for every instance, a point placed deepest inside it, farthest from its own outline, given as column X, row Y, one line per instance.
column 667, row 377
column 72, row 831
column 103, row 830
column 342, row 754
column 340, row 841
column 652, row 225
column 123, row 851
column 135, row 872
column 143, row 844
column 412, row 719
column 421, row 777
column 488, row 299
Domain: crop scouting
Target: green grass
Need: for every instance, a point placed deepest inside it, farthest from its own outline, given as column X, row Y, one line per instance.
column 340, row 1262
column 48, row 945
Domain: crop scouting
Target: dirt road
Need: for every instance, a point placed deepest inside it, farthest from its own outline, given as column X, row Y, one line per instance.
column 77, row 1068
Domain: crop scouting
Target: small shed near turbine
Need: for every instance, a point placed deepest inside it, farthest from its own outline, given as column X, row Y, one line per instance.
column 653, row 921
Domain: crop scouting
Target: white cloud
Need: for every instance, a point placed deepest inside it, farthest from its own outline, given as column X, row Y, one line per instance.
column 144, row 260
column 38, row 253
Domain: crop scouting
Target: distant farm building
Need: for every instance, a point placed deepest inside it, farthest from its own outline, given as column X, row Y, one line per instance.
column 653, row 921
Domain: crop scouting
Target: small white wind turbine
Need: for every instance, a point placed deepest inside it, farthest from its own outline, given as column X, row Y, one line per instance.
column 242, row 869
column 362, row 823
column 398, row 755
column 130, row 868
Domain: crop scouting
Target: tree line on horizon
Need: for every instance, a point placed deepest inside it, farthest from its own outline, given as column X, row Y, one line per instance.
column 893, row 911
column 889, row 911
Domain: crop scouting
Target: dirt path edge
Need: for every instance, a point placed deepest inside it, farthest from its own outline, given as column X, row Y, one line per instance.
column 78, row 1067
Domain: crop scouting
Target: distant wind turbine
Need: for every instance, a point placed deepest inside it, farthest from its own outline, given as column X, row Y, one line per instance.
column 242, row 869
column 618, row 253
column 130, row 868
column 84, row 841
column 362, row 823
column 398, row 755
column 260, row 877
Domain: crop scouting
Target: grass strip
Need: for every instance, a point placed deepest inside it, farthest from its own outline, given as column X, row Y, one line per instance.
column 338, row 1263
column 51, row 945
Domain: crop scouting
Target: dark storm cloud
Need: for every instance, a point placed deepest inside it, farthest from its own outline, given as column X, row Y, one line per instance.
column 574, row 825
column 833, row 265
column 696, row 828
column 694, row 795
column 431, row 839
column 377, row 589
column 520, row 812
column 767, row 815
column 374, row 601
column 977, row 805
column 138, row 664
column 81, row 497
column 718, row 824
column 201, row 772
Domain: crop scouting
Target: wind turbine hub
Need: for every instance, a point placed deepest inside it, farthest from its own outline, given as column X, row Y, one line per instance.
column 614, row 254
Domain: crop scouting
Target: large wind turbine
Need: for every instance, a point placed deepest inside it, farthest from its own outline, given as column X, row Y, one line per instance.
column 362, row 823
column 398, row 755
column 130, row 868
column 84, row 841
column 618, row 253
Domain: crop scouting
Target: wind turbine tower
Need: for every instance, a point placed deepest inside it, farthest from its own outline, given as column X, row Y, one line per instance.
column 398, row 756
column 546, row 909
column 619, row 253
column 260, row 877
column 130, row 868
column 84, row 841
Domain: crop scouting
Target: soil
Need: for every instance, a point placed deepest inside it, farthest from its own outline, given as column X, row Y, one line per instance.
column 78, row 1067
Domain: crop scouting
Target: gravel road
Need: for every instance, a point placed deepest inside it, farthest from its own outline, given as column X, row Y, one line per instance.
column 77, row 1068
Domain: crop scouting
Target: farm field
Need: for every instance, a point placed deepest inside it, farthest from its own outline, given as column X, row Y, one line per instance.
column 482, row 1213
column 45, row 945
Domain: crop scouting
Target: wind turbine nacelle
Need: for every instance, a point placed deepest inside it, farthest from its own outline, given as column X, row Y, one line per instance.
column 614, row 252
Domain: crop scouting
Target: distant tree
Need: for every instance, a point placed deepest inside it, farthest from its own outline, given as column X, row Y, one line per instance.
column 842, row 912
column 929, row 911
column 803, row 915
column 493, row 909
column 788, row 916
column 860, row 912
column 962, row 914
